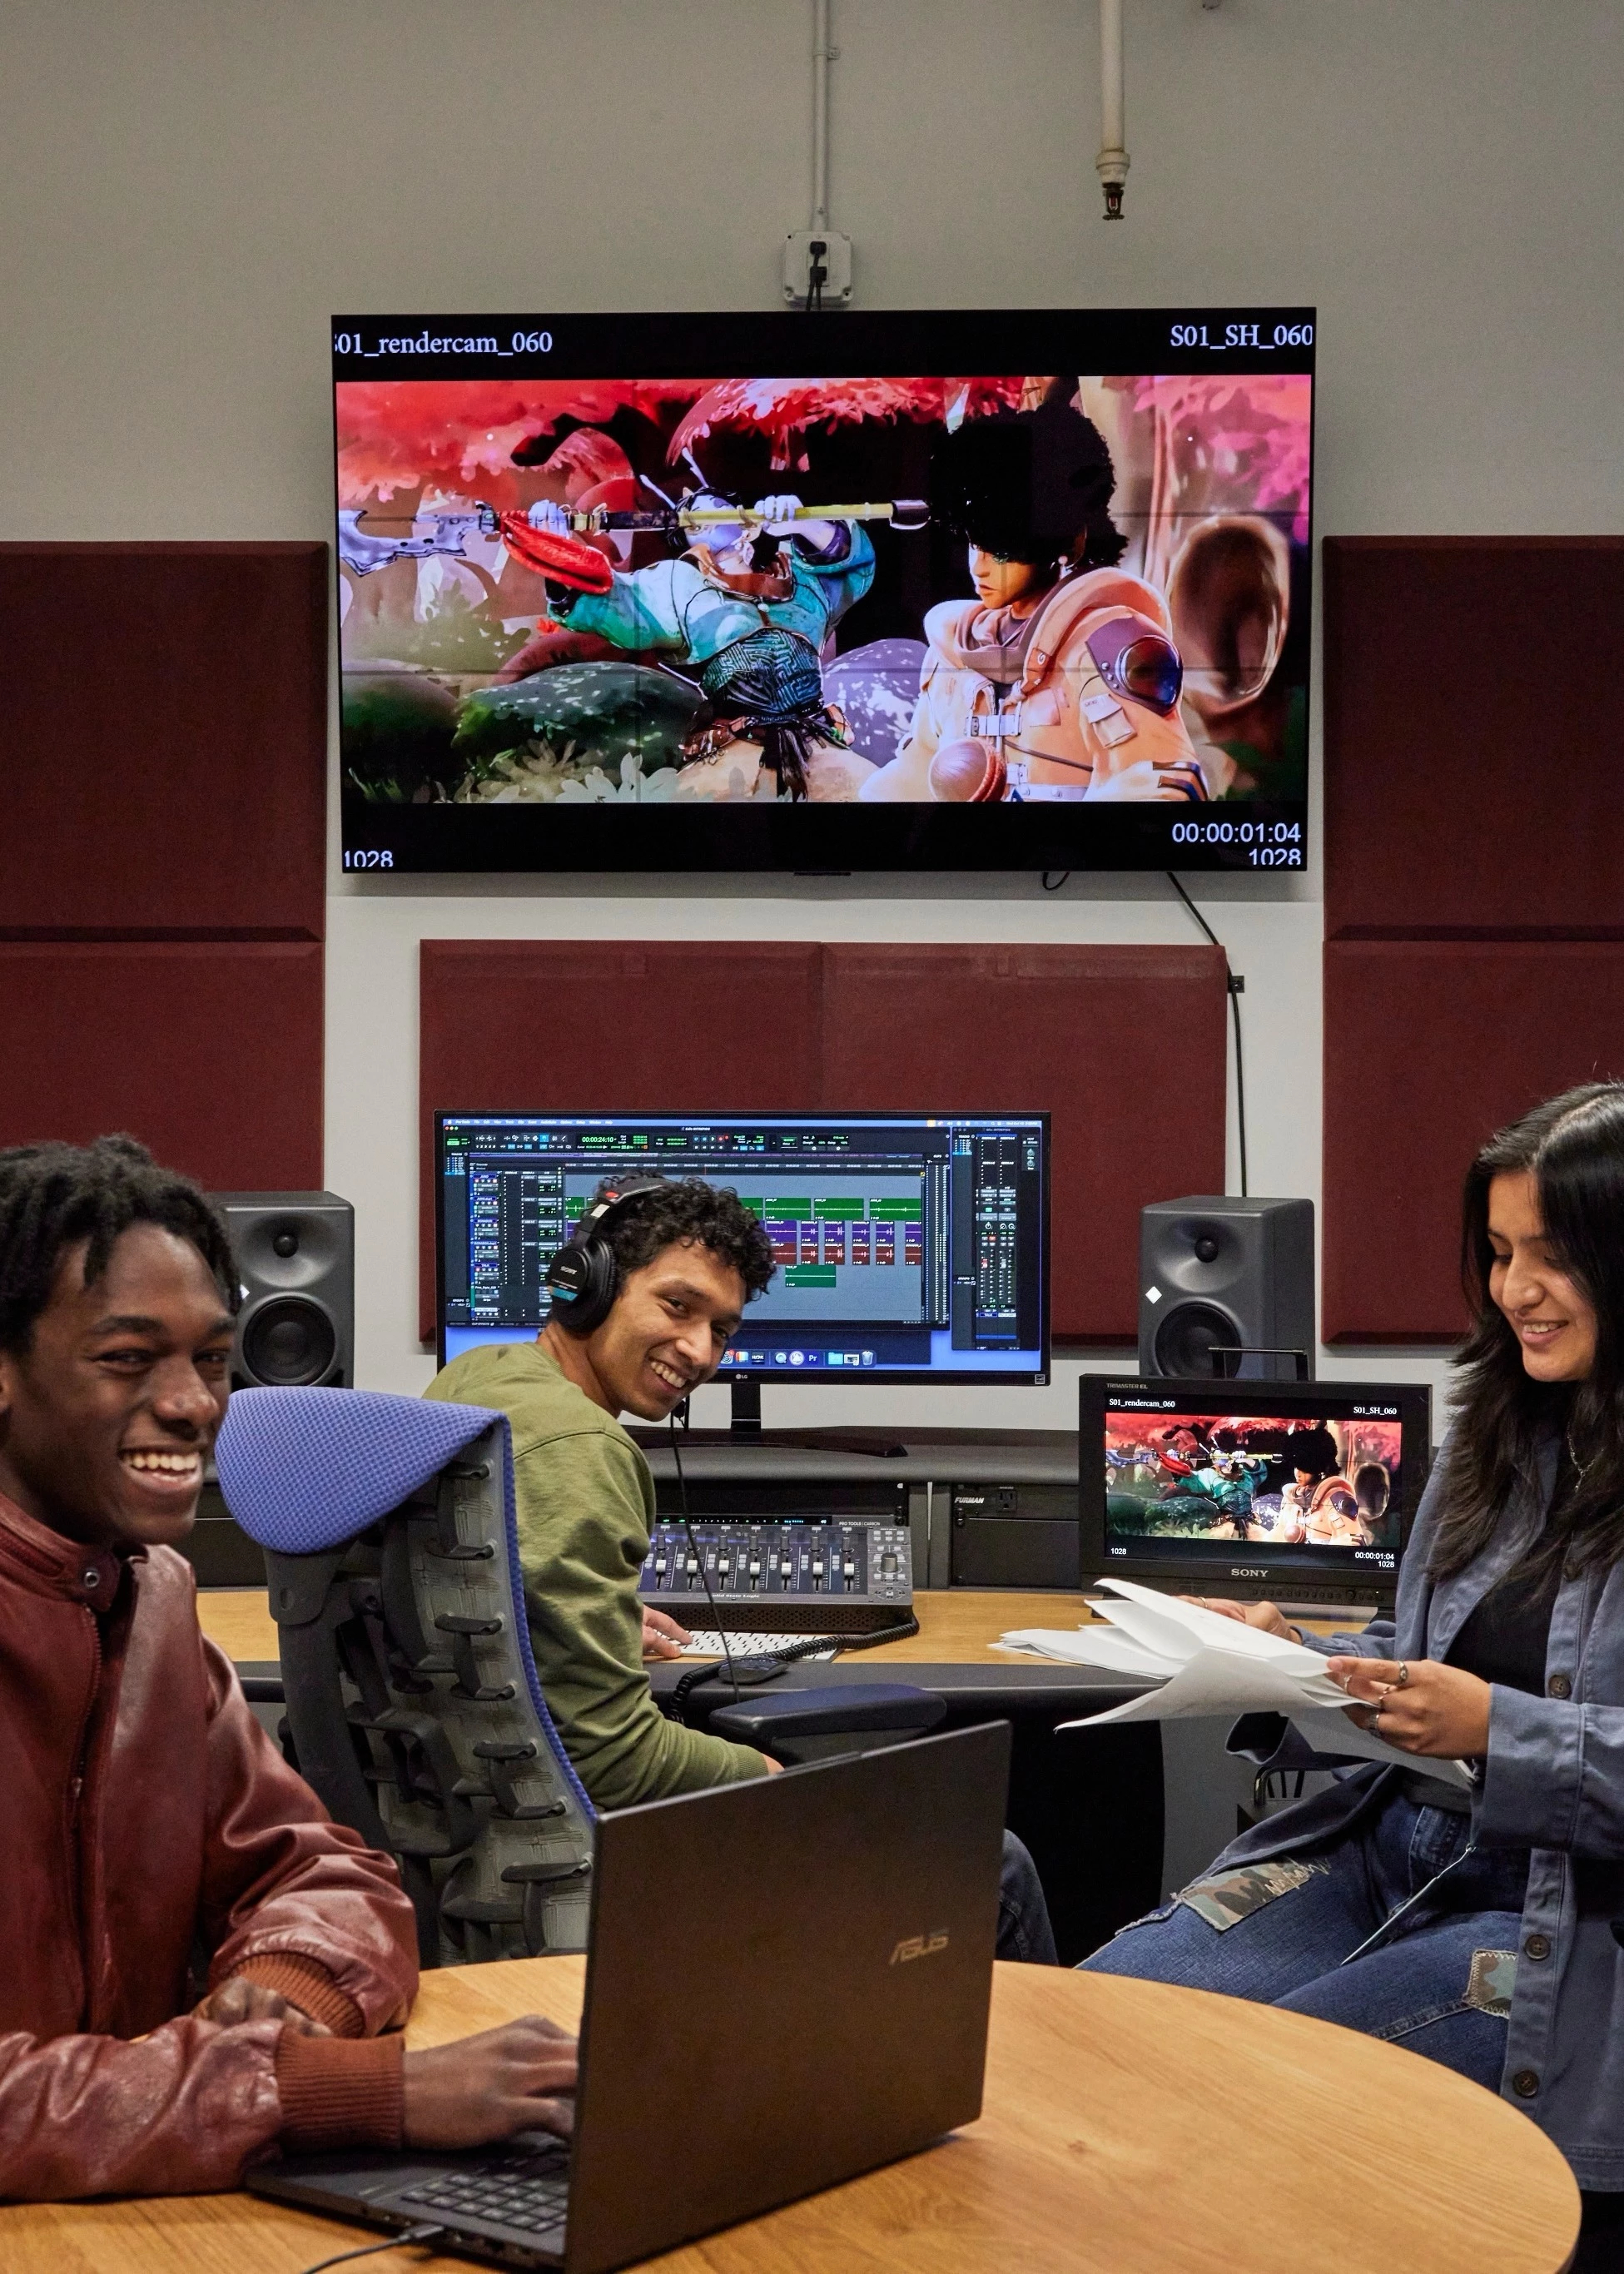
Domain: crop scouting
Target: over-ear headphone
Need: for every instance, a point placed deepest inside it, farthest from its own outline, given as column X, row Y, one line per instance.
column 584, row 1276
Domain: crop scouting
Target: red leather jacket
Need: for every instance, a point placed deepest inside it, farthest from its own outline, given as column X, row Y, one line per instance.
column 148, row 1816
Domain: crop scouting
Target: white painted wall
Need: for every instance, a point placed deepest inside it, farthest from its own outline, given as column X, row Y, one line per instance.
column 188, row 188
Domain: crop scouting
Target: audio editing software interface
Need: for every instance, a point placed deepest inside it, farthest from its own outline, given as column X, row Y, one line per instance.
column 911, row 1245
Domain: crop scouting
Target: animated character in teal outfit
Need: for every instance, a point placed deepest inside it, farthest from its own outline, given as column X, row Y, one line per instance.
column 749, row 612
column 1228, row 1483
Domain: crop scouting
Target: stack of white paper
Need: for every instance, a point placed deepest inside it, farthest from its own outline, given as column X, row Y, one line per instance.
column 1205, row 1663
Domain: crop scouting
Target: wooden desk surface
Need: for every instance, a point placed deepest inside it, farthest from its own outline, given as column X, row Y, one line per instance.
column 1129, row 2129
column 239, row 1619
column 956, row 1625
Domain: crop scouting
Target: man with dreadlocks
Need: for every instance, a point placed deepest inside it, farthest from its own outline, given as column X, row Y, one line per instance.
column 152, row 1827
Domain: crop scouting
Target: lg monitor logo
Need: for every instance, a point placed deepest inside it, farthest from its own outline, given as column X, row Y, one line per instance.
column 917, row 1945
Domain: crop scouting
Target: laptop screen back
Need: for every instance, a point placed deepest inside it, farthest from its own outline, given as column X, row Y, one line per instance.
column 790, row 1982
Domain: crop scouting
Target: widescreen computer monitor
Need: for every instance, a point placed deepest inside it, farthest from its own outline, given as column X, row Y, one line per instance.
column 911, row 1248
column 1298, row 1492
column 1052, row 613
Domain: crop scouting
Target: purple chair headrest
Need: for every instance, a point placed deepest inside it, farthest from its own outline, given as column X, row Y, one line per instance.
column 302, row 1470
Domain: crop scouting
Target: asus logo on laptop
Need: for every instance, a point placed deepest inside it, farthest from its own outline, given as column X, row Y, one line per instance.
column 917, row 1945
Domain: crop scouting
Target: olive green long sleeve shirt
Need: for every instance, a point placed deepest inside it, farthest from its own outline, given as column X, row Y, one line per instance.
column 585, row 1496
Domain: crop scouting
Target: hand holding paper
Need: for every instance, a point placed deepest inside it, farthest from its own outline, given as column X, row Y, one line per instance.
column 1427, row 1710
column 1205, row 1663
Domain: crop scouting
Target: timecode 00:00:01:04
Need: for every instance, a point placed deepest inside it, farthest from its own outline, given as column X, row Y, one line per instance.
column 1284, row 834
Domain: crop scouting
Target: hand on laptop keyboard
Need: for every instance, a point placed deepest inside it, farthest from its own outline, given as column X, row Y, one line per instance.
column 519, row 2078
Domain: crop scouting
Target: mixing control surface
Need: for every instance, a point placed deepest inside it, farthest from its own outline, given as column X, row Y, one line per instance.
column 785, row 1577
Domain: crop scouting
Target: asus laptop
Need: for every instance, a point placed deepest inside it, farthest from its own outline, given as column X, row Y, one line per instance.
column 787, row 1983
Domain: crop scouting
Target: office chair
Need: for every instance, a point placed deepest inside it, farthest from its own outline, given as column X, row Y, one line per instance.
column 413, row 1706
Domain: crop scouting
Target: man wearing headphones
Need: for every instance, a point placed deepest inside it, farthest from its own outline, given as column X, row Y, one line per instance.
column 646, row 1297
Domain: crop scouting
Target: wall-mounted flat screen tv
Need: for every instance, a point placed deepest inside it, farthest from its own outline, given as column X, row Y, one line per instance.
column 628, row 592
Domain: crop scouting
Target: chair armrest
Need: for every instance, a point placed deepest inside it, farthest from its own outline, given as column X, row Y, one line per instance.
column 766, row 1719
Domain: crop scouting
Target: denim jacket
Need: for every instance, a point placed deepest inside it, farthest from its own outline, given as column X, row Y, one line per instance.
column 1554, row 1784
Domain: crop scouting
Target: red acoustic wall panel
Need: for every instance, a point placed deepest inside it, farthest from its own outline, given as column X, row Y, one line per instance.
column 586, row 1025
column 210, row 1054
column 1124, row 1046
column 1081, row 1031
column 1471, row 772
column 163, row 722
column 1430, row 1046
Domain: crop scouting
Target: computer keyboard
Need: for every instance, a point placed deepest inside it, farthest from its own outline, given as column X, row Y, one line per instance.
column 708, row 1643
column 529, row 2192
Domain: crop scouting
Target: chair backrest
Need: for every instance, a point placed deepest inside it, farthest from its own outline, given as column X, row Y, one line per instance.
column 413, row 1704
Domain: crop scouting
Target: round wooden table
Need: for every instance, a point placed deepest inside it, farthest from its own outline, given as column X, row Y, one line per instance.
column 1129, row 2129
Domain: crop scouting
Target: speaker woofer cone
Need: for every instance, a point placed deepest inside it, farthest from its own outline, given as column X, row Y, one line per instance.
column 289, row 1342
column 1184, row 1340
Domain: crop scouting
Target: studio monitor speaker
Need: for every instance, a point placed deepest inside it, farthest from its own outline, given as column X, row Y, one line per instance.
column 296, row 1261
column 1225, row 1272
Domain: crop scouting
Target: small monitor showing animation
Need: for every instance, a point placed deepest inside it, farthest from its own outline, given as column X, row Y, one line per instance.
column 1243, row 1480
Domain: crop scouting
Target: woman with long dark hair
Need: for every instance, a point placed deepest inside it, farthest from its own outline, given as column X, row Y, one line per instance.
column 1475, row 1924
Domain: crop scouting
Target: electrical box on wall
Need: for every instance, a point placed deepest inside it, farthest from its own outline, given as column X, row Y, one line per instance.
column 817, row 268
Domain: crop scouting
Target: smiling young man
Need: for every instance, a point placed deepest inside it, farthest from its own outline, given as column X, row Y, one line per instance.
column 687, row 1257
column 198, row 1962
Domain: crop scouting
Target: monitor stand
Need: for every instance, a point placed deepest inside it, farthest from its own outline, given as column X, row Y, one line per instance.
column 746, row 1429
column 746, row 1421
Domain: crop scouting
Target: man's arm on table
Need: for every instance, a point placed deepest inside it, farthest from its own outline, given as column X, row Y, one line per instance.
column 582, row 1535
column 186, row 2109
column 312, row 1924
column 307, row 1922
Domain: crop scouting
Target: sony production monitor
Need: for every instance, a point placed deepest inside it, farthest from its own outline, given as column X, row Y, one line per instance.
column 630, row 592
column 1294, row 1491
column 909, row 1246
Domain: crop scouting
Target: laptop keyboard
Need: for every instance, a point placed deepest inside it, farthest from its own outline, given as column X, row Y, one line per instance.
column 529, row 2192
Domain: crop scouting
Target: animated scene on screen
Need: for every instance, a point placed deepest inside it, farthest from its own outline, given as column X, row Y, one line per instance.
column 1279, row 1483
column 905, row 590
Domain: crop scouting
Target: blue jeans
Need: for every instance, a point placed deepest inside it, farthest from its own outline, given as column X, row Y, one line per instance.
column 1024, row 1928
column 1438, row 1981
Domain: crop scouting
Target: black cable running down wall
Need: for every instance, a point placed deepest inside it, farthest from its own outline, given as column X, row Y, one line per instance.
column 1236, row 986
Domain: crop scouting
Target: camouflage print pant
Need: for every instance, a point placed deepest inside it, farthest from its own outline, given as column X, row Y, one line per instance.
column 1440, row 1980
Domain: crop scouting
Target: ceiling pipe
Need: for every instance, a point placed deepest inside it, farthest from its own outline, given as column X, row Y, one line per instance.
column 822, row 55
column 1111, row 165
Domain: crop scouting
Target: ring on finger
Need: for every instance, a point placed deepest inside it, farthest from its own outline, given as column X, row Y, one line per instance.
column 1402, row 1675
